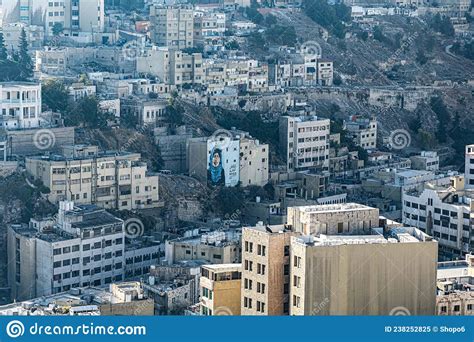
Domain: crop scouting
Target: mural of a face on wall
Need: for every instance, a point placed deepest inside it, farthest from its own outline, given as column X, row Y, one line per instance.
column 215, row 173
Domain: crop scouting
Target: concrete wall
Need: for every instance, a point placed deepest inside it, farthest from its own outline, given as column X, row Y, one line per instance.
column 365, row 279
column 26, row 142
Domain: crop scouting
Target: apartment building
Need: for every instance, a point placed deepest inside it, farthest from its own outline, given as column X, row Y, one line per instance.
column 172, row 26
column 246, row 159
column 254, row 161
column 469, row 167
column 85, row 248
column 112, row 179
column 304, row 141
column 218, row 247
column 20, row 105
column 75, row 16
column 243, row 73
column 145, row 86
column 363, row 131
column 445, row 213
column 26, row 10
column 455, row 281
column 332, row 219
column 78, row 91
column 209, row 27
column 341, row 274
column 265, row 284
column 220, row 290
column 148, row 113
column 325, row 73
column 172, row 67
column 427, row 160
column 12, row 34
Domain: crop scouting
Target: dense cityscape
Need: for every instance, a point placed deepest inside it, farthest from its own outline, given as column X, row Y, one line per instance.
column 236, row 157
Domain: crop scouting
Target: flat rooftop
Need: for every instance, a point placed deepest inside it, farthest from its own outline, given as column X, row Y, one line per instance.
column 272, row 229
column 395, row 235
column 102, row 154
column 453, row 269
column 333, row 208
column 223, row 267
column 92, row 216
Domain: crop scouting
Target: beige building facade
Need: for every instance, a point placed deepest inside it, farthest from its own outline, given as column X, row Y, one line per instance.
column 265, row 270
column 172, row 26
column 85, row 176
column 220, row 289
column 345, row 218
column 364, row 274
column 172, row 67
column 305, row 142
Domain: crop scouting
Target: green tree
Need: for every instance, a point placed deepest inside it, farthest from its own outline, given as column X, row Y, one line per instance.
column 270, row 20
column 24, row 60
column 3, row 49
column 86, row 112
column 421, row 57
column 57, row 29
column 174, row 114
column 331, row 17
column 281, row 35
column 438, row 106
column 55, row 96
column 229, row 200
column 254, row 15
column 442, row 24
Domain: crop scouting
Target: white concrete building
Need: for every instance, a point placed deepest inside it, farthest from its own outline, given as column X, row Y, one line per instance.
column 147, row 112
column 445, row 213
column 325, row 71
column 12, row 34
column 172, row 26
column 363, row 131
column 20, row 105
column 76, row 16
column 469, row 167
column 81, row 246
column 79, row 91
column 209, row 28
column 252, row 155
column 84, row 248
column 172, row 67
column 254, row 164
column 427, row 160
column 305, row 142
column 113, row 180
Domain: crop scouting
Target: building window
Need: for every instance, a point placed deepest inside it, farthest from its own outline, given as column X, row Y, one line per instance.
column 296, row 301
column 297, row 261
